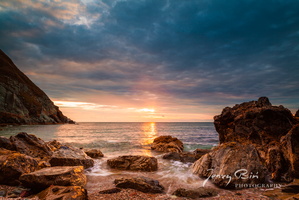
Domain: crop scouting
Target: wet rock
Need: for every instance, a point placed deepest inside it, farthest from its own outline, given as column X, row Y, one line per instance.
column 186, row 157
column 19, row 192
column 110, row 191
column 62, row 176
column 134, row 163
column 63, row 192
column 167, row 144
column 71, row 156
column 30, row 145
column 290, row 144
column 230, row 164
column 182, row 157
column 255, row 121
column 196, row 193
column 142, row 184
column 94, row 153
column 13, row 165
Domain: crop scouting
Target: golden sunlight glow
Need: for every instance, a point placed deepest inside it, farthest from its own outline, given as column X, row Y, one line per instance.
column 147, row 110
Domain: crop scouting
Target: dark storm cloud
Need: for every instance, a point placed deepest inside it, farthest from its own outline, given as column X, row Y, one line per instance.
column 209, row 51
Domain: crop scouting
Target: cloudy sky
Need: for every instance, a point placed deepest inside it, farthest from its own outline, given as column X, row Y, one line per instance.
column 155, row 60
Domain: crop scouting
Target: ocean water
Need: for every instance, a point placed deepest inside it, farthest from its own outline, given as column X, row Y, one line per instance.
column 119, row 138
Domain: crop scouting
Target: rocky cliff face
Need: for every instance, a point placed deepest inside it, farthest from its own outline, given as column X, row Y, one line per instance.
column 258, row 144
column 21, row 101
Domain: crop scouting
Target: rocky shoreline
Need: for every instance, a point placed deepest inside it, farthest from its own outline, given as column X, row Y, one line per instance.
column 258, row 153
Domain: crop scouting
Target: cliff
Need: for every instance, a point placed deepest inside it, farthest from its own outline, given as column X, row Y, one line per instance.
column 21, row 101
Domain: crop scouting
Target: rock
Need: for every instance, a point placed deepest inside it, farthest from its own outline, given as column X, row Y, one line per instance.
column 186, row 157
column 19, row 192
column 13, row 165
column 63, row 192
column 255, row 121
column 21, row 101
column 110, row 191
column 3, row 192
column 196, row 193
column 94, row 153
column 62, row 176
column 71, row 156
column 167, row 144
column 290, row 144
column 291, row 189
column 297, row 113
column 278, row 165
column 54, row 145
column 134, row 163
column 142, row 184
column 30, row 145
column 230, row 164
column 6, row 143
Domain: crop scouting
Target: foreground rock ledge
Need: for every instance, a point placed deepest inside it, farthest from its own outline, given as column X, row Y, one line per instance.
column 231, row 160
column 142, row 184
column 134, row 163
column 62, row 176
column 63, row 192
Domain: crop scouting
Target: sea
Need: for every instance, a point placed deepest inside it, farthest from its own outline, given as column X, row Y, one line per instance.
column 129, row 138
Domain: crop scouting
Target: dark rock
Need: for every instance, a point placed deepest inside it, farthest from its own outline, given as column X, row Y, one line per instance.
column 200, row 152
column 255, row 121
column 297, row 113
column 196, row 193
column 291, row 189
column 21, row 101
column 30, row 145
column 63, row 192
column 230, row 164
column 6, row 143
column 3, row 192
column 110, row 191
column 134, row 163
column 71, row 156
column 290, row 144
column 167, row 144
column 94, row 153
column 62, row 176
column 185, row 157
column 13, row 165
column 142, row 184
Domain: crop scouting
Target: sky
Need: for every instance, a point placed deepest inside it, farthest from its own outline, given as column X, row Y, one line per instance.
column 155, row 60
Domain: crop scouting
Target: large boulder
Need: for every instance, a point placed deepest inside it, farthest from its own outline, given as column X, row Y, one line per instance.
column 230, row 164
column 71, row 156
column 143, row 184
column 62, row 176
column 30, row 145
column 134, row 163
column 13, row 165
column 167, row 144
column 255, row 121
column 290, row 144
column 94, row 153
column 63, row 192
